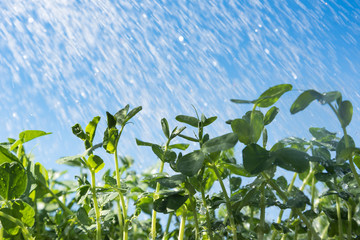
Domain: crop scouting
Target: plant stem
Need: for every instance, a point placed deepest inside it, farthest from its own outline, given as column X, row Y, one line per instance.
column 193, row 204
column 97, row 211
column 182, row 224
column 297, row 211
column 16, row 221
column 338, row 212
column 208, row 220
column 227, row 200
column 349, row 233
column 262, row 212
column 165, row 237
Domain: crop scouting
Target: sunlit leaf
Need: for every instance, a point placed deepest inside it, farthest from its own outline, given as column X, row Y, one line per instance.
column 176, row 132
column 243, row 130
column 165, row 127
column 111, row 120
column 79, row 132
column 13, row 180
column 7, row 156
column 192, row 121
column 110, row 140
column 304, row 100
column 270, row 115
column 121, row 115
column 272, row 95
column 75, row 161
column 181, row 146
column 220, row 143
column 320, row 133
column 95, row 163
column 257, row 125
column 91, row 128
column 142, row 143
column 133, row 112
column 208, row 121
column 190, row 163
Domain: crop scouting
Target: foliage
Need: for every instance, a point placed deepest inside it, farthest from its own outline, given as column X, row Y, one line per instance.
column 203, row 196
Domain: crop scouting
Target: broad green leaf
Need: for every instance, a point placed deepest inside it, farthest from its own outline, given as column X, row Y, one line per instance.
column 297, row 199
column 257, row 125
column 142, row 143
column 170, row 203
column 159, row 152
column 75, row 161
column 345, row 113
column 188, row 120
column 110, row 140
column 83, row 217
column 121, row 115
column 242, row 101
column 40, row 173
column 13, row 180
column 169, row 156
column 181, row 146
column 330, row 97
column 190, row 163
column 235, row 183
column 20, row 210
column 342, row 146
column 291, row 159
column 220, row 143
column 208, row 121
column 256, row 159
column 111, row 120
column 7, row 156
column 171, row 182
column 304, row 100
column 320, row 133
column 133, row 112
column 79, row 132
column 165, row 127
column 176, row 132
column 270, row 115
column 95, row 163
column 236, row 169
column 28, row 135
column 242, row 129
column 91, row 128
column 270, row 96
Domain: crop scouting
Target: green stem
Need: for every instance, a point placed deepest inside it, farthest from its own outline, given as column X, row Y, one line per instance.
column 182, row 224
column 16, row 221
column 227, row 201
column 262, row 212
column 349, row 233
column 193, row 204
column 297, row 211
column 338, row 212
column 208, row 219
column 61, row 204
column 97, row 210
column 166, row 237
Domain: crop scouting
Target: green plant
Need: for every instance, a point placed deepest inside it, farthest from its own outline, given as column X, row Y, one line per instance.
column 203, row 194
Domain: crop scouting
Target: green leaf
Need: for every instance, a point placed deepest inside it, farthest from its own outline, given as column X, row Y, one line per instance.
column 209, row 121
column 20, row 210
column 171, row 182
column 345, row 113
column 330, row 97
column 270, row 115
column 132, row 113
column 75, row 161
column 91, row 128
column 291, row 159
column 342, row 146
column 256, row 159
column 220, row 143
column 83, row 217
column 176, row 132
column 242, row 129
column 28, row 135
column 270, row 96
column 242, row 101
column 165, row 127
column 304, row 100
column 7, row 156
column 111, row 120
column 191, row 163
column 297, row 199
column 181, row 146
column 189, row 138
column 188, row 120
column 142, row 143
column 120, row 116
column 13, row 180
column 320, row 133
column 357, row 161
column 159, row 152
column 236, row 169
column 110, row 140
column 170, row 203
column 95, row 163
column 79, row 132
column 257, row 125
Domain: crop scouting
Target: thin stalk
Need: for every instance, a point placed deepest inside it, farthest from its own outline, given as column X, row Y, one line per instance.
column 227, row 201
column 153, row 219
column 338, row 212
column 262, row 212
column 297, row 211
column 349, row 233
column 1, row 232
column 193, row 204
column 16, row 221
column 97, row 210
column 208, row 220
column 166, row 237
column 182, row 224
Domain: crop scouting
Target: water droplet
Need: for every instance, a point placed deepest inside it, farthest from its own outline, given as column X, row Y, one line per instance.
column 260, row 26
column 294, row 75
column 256, row 30
column 267, row 51
column 276, row 30
column 30, row 20
column 181, row 38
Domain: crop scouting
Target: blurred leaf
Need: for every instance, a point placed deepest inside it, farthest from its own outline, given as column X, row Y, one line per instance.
column 320, row 133
column 91, row 128
column 159, row 152
column 357, row 161
column 342, row 146
column 297, row 199
column 171, row 182
column 242, row 101
column 83, row 217
column 191, row 163
column 304, row 100
column 270, row 115
column 75, row 161
column 220, row 143
column 291, row 159
column 235, row 183
column 13, row 180
column 181, row 146
column 256, row 159
column 188, row 120
column 170, row 203
column 236, row 169
column 345, row 113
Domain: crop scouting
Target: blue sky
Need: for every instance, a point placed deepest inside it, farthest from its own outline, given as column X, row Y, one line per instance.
column 64, row 62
